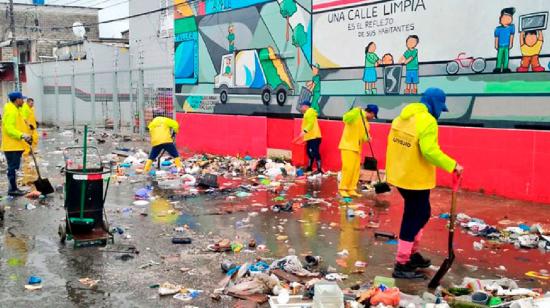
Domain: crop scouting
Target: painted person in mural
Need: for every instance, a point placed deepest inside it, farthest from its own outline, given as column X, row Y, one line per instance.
column 231, row 38
column 531, row 45
column 504, row 39
column 311, row 134
column 356, row 132
column 162, row 131
column 410, row 59
column 371, row 62
column 315, row 87
column 413, row 153
column 227, row 70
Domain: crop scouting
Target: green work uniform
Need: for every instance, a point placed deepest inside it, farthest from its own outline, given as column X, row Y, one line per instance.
column 316, row 93
column 231, row 39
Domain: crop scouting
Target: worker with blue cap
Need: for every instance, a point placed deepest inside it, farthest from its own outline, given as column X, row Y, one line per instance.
column 412, row 156
column 311, row 134
column 356, row 132
column 14, row 139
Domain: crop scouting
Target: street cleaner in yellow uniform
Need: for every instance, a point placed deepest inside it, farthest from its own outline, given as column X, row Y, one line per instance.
column 161, row 129
column 413, row 154
column 356, row 125
column 14, row 139
column 311, row 134
column 28, row 114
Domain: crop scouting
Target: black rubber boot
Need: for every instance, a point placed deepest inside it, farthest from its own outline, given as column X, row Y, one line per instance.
column 319, row 169
column 418, row 260
column 406, row 271
column 17, row 193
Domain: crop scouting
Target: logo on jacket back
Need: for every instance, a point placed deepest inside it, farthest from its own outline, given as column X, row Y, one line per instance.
column 402, row 142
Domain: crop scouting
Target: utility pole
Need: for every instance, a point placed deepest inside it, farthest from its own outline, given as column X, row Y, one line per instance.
column 116, row 102
column 14, row 49
column 141, row 95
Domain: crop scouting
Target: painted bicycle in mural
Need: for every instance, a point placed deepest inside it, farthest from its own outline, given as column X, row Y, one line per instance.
column 477, row 65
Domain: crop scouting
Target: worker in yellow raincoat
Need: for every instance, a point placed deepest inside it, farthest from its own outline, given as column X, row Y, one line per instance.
column 412, row 155
column 356, row 126
column 15, row 139
column 311, row 134
column 28, row 114
column 161, row 129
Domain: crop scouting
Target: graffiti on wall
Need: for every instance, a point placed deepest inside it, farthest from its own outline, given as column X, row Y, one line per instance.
column 258, row 55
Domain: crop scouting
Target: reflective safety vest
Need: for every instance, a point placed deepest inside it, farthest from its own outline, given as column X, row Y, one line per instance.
column 159, row 128
column 413, row 150
column 354, row 134
column 310, row 125
column 13, row 127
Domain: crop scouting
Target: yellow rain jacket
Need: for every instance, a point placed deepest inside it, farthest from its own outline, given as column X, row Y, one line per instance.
column 30, row 118
column 159, row 128
column 13, row 128
column 413, row 150
column 28, row 114
column 354, row 134
column 310, row 125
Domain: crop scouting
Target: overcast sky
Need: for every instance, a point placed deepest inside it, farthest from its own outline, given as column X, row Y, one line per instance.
column 112, row 9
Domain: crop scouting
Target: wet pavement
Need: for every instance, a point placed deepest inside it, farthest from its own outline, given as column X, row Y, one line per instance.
column 30, row 244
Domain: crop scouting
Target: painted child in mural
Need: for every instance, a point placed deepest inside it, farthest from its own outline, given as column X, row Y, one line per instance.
column 227, row 68
column 231, row 38
column 504, row 39
column 410, row 59
column 315, row 87
column 531, row 44
column 387, row 59
column 371, row 62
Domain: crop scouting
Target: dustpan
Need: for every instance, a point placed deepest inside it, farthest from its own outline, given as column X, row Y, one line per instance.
column 43, row 185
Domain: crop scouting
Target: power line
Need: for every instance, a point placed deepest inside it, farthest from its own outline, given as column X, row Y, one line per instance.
column 123, row 18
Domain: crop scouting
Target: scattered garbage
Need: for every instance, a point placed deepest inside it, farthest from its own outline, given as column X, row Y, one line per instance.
column 181, row 240
column 90, row 283
column 521, row 236
column 34, row 280
column 30, row 206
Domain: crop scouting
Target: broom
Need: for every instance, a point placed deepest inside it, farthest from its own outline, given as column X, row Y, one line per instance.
column 82, row 221
column 380, row 187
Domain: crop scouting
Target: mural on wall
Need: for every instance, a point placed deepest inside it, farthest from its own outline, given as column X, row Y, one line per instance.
column 256, row 49
column 262, row 56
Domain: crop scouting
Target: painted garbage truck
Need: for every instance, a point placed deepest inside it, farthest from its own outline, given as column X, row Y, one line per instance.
column 254, row 71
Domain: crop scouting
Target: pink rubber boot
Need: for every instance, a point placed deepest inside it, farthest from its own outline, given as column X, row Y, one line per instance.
column 404, row 251
column 417, row 239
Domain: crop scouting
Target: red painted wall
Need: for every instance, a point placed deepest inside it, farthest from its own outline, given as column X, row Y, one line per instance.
column 509, row 163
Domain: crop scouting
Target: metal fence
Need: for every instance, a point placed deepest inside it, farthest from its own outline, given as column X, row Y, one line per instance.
column 124, row 100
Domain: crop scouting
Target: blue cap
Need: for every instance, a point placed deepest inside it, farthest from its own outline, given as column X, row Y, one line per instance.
column 306, row 103
column 434, row 99
column 373, row 108
column 16, row 95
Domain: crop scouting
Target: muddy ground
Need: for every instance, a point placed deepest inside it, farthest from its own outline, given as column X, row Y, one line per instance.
column 30, row 244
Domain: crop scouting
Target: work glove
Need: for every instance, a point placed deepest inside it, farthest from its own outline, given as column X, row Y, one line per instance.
column 27, row 138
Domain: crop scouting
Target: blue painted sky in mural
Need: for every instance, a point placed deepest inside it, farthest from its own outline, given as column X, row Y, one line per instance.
column 215, row 6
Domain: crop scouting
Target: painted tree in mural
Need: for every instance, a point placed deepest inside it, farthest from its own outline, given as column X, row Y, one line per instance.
column 288, row 8
column 299, row 39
